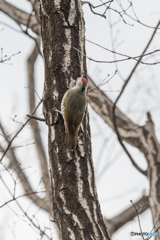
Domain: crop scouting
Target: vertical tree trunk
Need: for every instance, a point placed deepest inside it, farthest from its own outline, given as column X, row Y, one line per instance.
column 76, row 209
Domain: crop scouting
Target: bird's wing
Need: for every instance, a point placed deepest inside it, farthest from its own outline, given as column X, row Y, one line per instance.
column 73, row 121
column 63, row 103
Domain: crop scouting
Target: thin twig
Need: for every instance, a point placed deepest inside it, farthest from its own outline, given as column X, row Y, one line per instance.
column 26, row 32
column 20, row 146
column 114, row 105
column 23, row 195
column 136, row 18
column 5, row 58
column 36, row 118
column 84, row 2
column 138, row 218
column 33, row 223
column 154, row 227
column 7, row 25
column 34, row 91
column 10, row 142
column 154, row 232
column 102, row 82
column 124, row 59
column 121, row 54
column 30, row 15
column 113, row 46
column 92, row 6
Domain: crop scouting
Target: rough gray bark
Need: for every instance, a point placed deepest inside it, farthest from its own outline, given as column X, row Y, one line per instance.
column 76, row 209
column 141, row 137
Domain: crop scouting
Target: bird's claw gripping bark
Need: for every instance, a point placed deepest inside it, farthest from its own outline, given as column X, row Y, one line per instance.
column 56, row 110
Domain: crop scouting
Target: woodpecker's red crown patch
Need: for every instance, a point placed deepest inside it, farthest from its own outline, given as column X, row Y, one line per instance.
column 84, row 81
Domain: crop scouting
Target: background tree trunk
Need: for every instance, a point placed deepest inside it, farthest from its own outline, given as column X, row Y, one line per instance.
column 76, row 210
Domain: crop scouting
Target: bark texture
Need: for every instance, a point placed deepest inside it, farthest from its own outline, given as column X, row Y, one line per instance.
column 76, row 209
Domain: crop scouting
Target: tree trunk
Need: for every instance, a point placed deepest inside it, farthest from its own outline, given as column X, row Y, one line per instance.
column 76, row 209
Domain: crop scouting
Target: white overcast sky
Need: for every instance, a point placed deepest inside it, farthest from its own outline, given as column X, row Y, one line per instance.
column 142, row 95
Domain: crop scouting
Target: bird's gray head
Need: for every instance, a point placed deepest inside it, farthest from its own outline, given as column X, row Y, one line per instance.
column 81, row 84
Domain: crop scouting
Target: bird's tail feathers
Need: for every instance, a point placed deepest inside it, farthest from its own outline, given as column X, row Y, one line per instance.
column 71, row 140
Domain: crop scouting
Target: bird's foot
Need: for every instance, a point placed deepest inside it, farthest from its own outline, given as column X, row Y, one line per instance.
column 56, row 110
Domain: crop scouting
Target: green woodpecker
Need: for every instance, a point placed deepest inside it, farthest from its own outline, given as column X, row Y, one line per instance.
column 72, row 108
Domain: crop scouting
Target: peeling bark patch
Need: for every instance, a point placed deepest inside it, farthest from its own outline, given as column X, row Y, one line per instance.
column 71, row 234
column 55, row 94
column 64, row 203
column 52, row 134
column 50, row 55
column 90, row 178
column 57, row 4
column 77, row 221
column 81, row 40
column 72, row 13
column 67, row 48
column 81, row 148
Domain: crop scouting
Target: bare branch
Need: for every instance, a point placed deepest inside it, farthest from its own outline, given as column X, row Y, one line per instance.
column 124, row 55
column 121, row 60
column 35, row 39
column 35, row 128
column 136, row 19
column 5, row 58
column 19, row 146
column 20, row 196
column 7, row 25
column 126, row 216
column 137, row 212
column 91, row 7
column 30, row 15
column 114, row 105
column 20, row 16
column 25, row 213
column 129, row 132
column 100, row 5
column 15, row 165
column 113, row 48
column 139, row 60
column 9, row 144
column 104, row 81
column 34, row 91
column 36, row 118
column 35, row 8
